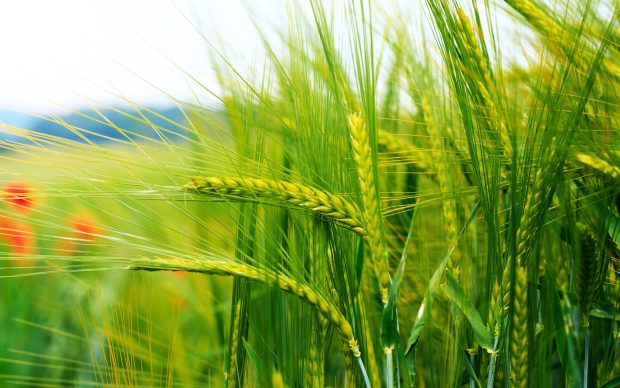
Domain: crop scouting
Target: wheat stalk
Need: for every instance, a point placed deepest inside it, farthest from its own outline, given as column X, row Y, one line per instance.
column 284, row 283
column 309, row 198
column 370, row 201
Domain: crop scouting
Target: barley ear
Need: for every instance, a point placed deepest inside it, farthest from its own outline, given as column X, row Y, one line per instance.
column 231, row 374
column 280, row 192
column 371, row 210
column 519, row 334
column 283, row 282
column 599, row 165
column 587, row 275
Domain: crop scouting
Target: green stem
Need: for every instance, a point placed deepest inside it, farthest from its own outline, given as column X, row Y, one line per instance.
column 586, row 356
column 364, row 373
column 491, row 378
column 389, row 369
column 472, row 361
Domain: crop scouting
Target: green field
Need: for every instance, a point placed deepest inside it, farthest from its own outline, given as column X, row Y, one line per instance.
column 382, row 208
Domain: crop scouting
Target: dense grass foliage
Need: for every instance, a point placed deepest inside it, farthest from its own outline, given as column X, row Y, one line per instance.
column 380, row 208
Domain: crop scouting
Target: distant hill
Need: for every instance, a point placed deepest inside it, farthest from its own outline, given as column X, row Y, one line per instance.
column 103, row 126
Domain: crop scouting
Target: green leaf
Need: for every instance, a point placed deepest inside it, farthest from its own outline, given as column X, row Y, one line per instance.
column 612, row 383
column 613, row 227
column 406, row 367
column 455, row 293
column 389, row 318
column 565, row 340
column 422, row 316
column 255, row 359
column 471, row 372
column 606, row 312
column 359, row 265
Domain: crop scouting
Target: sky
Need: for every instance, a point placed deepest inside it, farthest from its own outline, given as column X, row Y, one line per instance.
column 64, row 55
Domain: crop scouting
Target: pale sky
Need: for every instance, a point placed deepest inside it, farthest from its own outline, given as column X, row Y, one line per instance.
column 60, row 55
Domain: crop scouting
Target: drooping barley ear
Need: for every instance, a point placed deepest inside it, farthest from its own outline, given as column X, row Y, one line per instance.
column 284, row 283
column 587, row 275
column 280, row 192
column 599, row 165
column 519, row 331
column 231, row 374
column 362, row 155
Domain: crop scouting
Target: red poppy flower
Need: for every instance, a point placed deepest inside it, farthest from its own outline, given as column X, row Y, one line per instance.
column 19, row 238
column 85, row 227
column 19, row 195
column 180, row 274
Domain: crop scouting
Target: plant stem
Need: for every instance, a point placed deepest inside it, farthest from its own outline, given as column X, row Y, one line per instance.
column 364, row 374
column 491, row 376
column 389, row 368
column 586, row 356
column 472, row 361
